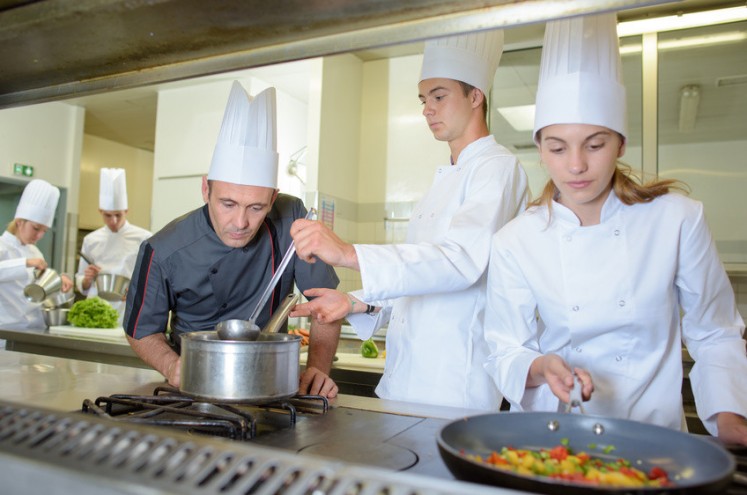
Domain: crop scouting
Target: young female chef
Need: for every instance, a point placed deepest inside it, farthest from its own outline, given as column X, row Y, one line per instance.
column 19, row 256
column 609, row 265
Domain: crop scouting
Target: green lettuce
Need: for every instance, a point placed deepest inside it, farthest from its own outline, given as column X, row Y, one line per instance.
column 93, row 312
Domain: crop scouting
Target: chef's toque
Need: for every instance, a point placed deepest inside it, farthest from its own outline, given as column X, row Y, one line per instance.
column 471, row 58
column 38, row 202
column 246, row 149
column 113, row 189
column 580, row 80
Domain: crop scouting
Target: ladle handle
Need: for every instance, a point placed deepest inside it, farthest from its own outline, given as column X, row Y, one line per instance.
column 311, row 215
column 86, row 258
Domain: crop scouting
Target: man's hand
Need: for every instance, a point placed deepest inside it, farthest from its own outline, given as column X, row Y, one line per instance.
column 174, row 372
column 67, row 283
column 732, row 428
column 155, row 351
column 89, row 275
column 328, row 305
column 315, row 382
column 314, row 241
column 554, row 371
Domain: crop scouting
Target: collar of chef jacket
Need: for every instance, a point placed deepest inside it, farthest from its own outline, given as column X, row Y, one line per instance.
column 609, row 209
column 12, row 240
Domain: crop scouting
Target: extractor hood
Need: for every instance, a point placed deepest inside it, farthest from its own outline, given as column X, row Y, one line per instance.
column 55, row 49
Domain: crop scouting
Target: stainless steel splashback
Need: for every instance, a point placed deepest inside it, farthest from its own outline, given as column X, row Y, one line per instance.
column 55, row 49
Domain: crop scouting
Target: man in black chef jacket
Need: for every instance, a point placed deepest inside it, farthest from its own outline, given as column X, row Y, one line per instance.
column 213, row 263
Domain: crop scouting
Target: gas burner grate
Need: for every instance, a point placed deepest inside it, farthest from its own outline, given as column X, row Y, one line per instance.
column 169, row 407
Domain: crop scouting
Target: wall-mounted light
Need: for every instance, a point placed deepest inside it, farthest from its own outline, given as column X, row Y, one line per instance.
column 520, row 117
column 689, row 101
column 682, row 21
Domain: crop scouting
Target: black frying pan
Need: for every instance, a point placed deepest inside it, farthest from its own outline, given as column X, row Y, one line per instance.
column 694, row 464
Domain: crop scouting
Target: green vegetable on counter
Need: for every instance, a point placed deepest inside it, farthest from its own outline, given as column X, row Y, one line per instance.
column 93, row 313
column 369, row 349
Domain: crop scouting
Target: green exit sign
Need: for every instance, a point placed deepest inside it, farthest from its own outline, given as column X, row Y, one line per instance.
column 24, row 170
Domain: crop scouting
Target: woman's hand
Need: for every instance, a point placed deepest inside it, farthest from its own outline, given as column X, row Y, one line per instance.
column 732, row 428
column 327, row 306
column 67, row 283
column 37, row 263
column 554, row 371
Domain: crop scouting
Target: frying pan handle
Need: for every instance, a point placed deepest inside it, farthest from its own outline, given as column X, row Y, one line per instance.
column 576, row 399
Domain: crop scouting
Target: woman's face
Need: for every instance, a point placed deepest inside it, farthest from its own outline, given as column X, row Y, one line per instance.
column 30, row 232
column 581, row 160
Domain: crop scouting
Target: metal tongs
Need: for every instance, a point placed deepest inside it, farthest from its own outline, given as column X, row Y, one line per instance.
column 576, row 399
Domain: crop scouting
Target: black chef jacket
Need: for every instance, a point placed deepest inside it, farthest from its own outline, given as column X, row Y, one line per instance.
column 186, row 270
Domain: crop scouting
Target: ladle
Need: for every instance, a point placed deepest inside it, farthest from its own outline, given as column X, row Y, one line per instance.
column 248, row 329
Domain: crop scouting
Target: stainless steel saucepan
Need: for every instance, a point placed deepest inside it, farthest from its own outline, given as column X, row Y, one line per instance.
column 263, row 370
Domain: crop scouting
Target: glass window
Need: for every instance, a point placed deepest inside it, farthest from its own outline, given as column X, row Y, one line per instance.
column 703, row 125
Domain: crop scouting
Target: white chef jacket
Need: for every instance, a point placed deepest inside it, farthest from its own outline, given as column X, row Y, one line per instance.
column 609, row 297
column 16, row 312
column 435, row 347
column 113, row 252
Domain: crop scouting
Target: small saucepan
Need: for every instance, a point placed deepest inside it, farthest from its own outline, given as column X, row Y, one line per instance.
column 111, row 287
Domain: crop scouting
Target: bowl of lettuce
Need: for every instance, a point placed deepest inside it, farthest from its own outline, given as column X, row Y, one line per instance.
column 93, row 312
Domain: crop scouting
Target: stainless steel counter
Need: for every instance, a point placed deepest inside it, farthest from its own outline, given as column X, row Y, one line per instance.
column 62, row 384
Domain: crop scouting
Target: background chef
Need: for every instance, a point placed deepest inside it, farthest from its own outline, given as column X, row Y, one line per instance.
column 213, row 263
column 432, row 288
column 19, row 256
column 621, row 273
column 112, row 248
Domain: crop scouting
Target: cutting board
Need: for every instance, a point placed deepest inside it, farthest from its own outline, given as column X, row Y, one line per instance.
column 101, row 334
column 356, row 361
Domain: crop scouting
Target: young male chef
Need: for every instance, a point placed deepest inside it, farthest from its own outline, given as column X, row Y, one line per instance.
column 112, row 248
column 213, row 263
column 432, row 288
column 19, row 256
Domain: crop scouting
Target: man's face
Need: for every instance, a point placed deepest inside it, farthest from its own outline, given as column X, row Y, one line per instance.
column 114, row 219
column 236, row 211
column 446, row 108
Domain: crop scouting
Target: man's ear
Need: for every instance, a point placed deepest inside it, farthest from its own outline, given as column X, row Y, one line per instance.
column 205, row 189
column 477, row 98
column 274, row 196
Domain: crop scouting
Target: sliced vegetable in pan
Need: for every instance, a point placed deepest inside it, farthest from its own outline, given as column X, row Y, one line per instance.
column 563, row 463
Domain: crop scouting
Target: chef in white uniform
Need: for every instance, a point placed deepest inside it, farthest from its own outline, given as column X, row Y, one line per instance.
column 432, row 288
column 609, row 265
column 19, row 256
column 112, row 248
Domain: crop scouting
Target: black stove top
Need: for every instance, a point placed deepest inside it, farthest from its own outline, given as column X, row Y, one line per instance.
column 307, row 425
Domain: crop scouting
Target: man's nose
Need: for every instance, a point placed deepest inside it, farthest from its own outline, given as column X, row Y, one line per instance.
column 242, row 219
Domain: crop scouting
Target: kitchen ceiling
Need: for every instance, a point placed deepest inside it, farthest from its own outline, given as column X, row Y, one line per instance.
column 128, row 116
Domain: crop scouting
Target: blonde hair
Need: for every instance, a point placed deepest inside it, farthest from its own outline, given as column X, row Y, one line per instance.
column 627, row 186
column 13, row 226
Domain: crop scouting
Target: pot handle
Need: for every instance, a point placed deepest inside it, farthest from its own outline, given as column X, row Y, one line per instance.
column 576, row 400
column 281, row 314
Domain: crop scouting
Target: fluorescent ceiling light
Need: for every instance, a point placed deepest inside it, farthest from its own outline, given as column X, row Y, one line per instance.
column 520, row 117
column 683, row 21
column 711, row 39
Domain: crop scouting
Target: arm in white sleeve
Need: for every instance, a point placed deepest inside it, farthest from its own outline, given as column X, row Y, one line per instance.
column 495, row 195
column 13, row 269
column 711, row 325
column 366, row 325
column 510, row 328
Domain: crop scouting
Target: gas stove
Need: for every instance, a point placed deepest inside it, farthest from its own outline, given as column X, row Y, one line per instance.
column 304, row 425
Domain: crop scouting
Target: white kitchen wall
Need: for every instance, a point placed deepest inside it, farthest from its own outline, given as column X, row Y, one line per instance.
column 49, row 137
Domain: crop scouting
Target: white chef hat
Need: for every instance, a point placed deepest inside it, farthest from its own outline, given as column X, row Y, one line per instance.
column 580, row 80
column 38, row 202
column 113, row 189
column 471, row 58
column 246, row 149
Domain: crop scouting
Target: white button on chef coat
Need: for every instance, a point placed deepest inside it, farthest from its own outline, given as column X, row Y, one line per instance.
column 630, row 288
column 113, row 252
column 435, row 351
